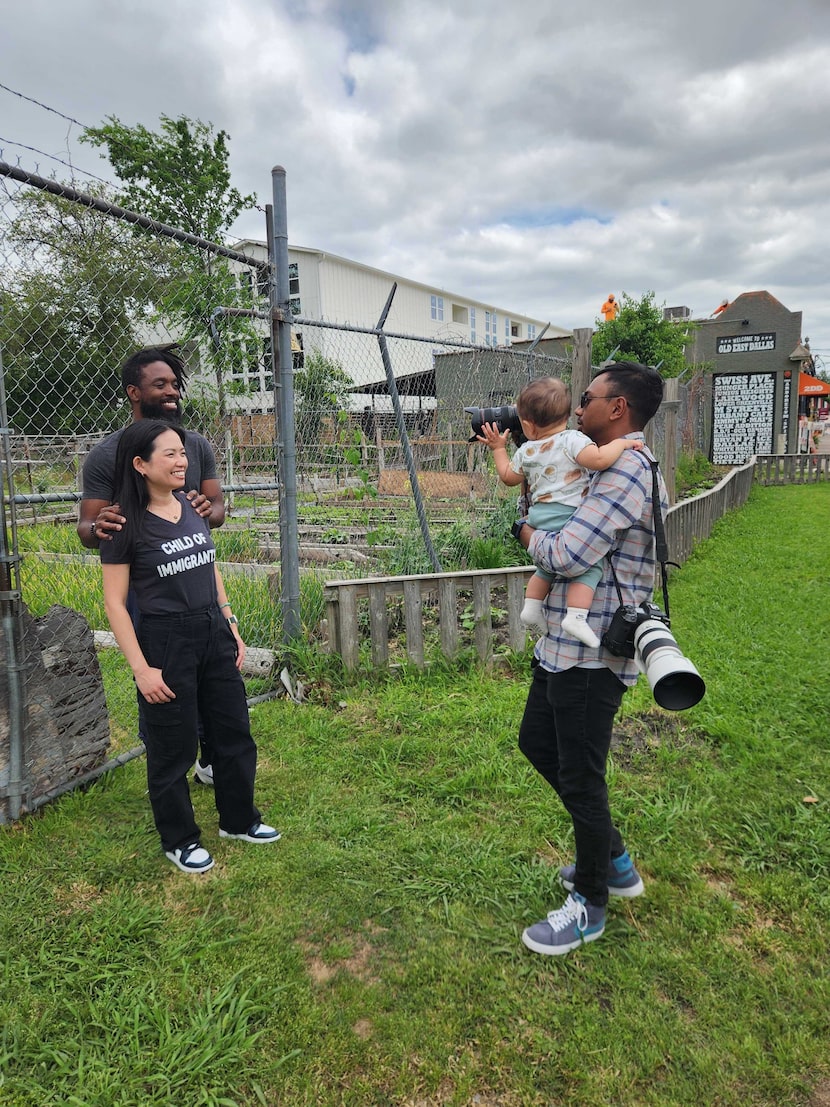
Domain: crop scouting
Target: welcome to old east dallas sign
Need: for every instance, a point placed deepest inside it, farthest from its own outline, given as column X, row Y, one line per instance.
column 745, row 343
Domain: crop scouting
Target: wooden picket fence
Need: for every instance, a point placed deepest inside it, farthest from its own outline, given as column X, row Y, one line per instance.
column 343, row 615
column 352, row 606
column 792, row 468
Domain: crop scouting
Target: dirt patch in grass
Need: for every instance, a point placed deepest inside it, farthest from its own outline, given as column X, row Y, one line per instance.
column 358, row 964
column 645, row 732
column 79, row 896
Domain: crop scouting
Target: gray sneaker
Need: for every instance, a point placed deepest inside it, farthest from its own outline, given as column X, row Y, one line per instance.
column 575, row 923
column 623, row 878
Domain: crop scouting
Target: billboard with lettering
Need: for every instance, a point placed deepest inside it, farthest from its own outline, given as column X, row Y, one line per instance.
column 743, row 410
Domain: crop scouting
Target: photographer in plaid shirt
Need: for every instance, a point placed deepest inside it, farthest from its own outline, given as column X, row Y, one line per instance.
column 576, row 690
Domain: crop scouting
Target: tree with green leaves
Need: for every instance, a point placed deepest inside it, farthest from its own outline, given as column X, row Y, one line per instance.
column 79, row 297
column 180, row 175
column 640, row 333
column 321, row 386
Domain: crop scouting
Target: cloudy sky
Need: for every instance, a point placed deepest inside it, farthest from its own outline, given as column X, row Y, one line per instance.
column 536, row 154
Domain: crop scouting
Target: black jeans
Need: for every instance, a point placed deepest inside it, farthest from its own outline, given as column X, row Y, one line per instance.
column 196, row 653
column 206, row 757
column 565, row 734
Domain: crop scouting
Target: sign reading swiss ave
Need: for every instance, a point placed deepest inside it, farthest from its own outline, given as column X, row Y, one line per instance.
column 742, row 408
column 745, row 343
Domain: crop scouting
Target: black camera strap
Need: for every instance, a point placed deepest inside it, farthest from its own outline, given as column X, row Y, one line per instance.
column 661, row 546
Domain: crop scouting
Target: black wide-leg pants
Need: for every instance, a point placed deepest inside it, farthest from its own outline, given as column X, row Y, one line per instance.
column 566, row 734
column 205, row 757
column 196, row 652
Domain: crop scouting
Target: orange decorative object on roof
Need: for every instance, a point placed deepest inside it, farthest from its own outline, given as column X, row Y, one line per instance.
column 812, row 386
column 610, row 309
column 722, row 306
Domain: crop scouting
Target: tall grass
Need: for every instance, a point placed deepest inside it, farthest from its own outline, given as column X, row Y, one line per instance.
column 373, row 956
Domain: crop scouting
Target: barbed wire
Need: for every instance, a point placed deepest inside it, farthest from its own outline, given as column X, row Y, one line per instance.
column 40, row 104
column 151, row 163
column 54, row 157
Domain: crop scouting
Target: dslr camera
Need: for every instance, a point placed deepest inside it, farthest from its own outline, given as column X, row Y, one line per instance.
column 505, row 418
column 643, row 633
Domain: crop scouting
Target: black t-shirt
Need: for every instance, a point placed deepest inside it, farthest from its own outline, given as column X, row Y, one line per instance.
column 172, row 570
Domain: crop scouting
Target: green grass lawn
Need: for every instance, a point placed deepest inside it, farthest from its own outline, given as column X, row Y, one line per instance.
column 372, row 957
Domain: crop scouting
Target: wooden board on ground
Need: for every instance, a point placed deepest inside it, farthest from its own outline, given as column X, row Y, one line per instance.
column 435, row 486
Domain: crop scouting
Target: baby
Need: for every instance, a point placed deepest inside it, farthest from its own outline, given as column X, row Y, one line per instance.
column 555, row 463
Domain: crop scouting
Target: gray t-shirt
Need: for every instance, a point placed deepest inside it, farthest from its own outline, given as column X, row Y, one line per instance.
column 172, row 569
column 97, row 480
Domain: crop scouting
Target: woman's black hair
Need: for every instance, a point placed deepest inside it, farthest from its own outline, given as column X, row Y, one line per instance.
column 131, row 493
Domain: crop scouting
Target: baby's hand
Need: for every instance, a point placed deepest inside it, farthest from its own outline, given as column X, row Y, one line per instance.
column 634, row 443
column 492, row 438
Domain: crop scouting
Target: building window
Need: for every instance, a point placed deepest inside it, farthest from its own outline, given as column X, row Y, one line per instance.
column 472, row 324
column 436, row 304
column 491, row 328
column 293, row 279
column 294, row 306
column 531, row 331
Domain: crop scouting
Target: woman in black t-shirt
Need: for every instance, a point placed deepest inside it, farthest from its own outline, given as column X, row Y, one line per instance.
column 186, row 653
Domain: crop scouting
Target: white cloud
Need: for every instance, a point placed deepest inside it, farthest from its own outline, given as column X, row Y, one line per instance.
column 534, row 155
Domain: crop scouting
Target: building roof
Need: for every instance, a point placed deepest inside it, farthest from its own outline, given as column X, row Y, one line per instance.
column 553, row 330
column 413, row 384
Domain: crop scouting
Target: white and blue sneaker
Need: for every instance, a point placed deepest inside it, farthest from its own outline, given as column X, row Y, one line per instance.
column 623, row 878
column 203, row 774
column 256, row 832
column 190, row 859
column 576, row 922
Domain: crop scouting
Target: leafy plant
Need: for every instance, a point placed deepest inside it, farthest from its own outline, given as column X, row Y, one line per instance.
column 695, row 473
column 235, row 544
column 349, row 441
column 640, row 333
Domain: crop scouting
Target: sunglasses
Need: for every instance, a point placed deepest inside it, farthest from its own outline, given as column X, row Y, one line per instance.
column 586, row 398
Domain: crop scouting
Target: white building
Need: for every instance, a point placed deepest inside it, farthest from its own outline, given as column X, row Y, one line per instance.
column 330, row 289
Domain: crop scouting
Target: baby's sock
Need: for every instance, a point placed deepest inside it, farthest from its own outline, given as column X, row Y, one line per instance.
column 575, row 624
column 533, row 615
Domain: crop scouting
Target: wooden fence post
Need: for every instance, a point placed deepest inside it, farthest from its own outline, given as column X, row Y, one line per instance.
column 671, row 402
column 581, row 372
column 413, row 604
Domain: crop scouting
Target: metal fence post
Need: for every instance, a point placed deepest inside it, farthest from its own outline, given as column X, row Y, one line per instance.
column 287, row 445
column 10, row 600
column 404, row 436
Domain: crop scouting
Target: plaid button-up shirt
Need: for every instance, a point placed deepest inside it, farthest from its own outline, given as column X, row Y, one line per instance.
column 614, row 516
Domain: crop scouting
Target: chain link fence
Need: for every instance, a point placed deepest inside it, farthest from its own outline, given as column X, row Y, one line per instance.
column 387, row 480
column 83, row 284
